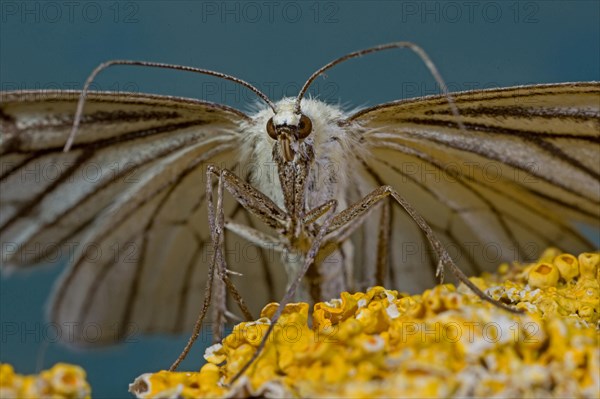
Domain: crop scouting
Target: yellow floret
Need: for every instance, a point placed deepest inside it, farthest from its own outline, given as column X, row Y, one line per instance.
column 588, row 264
column 568, row 266
column 543, row 275
column 61, row 381
column 446, row 342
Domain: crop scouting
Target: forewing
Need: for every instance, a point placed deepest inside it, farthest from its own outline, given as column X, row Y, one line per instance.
column 126, row 204
column 512, row 183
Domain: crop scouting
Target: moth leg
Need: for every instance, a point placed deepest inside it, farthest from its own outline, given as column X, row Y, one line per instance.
column 341, row 233
column 314, row 214
column 357, row 211
column 224, row 283
column 264, row 264
column 209, row 280
column 383, row 238
column 216, row 230
column 255, row 236
column 253, row 200
column 256, row 203
column 220, row 291
column 308, row 261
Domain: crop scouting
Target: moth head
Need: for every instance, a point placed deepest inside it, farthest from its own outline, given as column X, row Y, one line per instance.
column 288, row 128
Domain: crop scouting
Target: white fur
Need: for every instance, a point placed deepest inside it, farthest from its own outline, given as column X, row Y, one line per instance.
column 332, row 146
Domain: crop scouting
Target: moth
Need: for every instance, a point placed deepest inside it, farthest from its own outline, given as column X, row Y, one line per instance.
column 153, row 189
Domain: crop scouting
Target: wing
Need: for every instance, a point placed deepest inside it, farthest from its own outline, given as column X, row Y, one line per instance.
column 526, row 167
column 126, row 205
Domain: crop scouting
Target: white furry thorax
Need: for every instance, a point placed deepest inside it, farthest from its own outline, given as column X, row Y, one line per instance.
column 332, row 146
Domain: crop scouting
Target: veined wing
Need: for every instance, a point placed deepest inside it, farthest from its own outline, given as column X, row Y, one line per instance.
column 126, row 204
column 526, row 167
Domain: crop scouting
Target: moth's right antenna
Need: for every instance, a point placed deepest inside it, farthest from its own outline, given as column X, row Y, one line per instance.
column 409, row 45
column 107, row 64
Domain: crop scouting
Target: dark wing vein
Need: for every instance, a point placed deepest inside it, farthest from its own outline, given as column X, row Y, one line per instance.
column 545, row 138
column 472, row 187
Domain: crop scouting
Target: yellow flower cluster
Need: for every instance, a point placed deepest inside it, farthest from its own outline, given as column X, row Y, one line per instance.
column 62, row 381
column 443, row 343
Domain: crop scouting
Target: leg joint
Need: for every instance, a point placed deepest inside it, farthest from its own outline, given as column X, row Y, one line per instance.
column 387, row 189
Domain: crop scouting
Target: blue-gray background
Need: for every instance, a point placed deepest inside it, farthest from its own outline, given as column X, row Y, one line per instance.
column 275, row 45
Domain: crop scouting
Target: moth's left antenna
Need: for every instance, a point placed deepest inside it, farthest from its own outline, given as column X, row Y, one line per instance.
column 396, row 45
column 107, row 64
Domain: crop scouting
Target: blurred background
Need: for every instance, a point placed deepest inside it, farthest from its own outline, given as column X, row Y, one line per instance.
column 275, row 45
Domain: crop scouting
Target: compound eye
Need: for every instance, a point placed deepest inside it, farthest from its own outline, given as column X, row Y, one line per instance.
column 304, row 127
column 271, row 129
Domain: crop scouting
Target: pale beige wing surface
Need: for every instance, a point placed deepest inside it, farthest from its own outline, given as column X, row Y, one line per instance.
column 126, row 206
column 526, row 168
column 127, row 203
